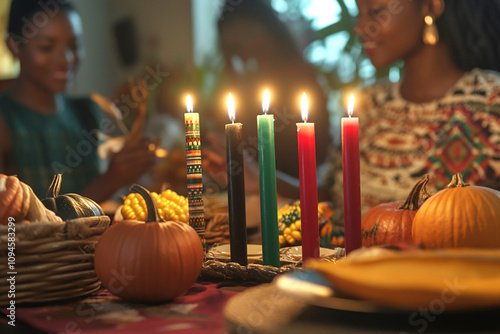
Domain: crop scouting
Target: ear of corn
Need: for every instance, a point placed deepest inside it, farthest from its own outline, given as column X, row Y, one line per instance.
column 171, row 206
column 289, row 223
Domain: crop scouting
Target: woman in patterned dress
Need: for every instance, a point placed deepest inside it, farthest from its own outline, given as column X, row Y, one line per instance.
column 443, row 116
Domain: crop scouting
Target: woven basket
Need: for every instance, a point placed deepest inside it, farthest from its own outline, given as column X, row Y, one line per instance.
column 53, row 261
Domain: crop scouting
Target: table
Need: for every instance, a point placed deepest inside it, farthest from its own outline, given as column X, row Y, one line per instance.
column 199, row 311
column 264, row 309
column 231, row 307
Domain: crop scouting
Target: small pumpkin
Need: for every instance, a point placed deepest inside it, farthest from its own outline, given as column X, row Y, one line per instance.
column 461, row 215
column 69, row 206
column 11, row 198
column 148, row 261
column 391, row 223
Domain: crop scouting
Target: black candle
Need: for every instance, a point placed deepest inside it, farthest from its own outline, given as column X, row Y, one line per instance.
column 236, row 189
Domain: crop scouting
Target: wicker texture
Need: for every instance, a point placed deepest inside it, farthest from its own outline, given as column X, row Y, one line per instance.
column 218, row 268
column 53, row 261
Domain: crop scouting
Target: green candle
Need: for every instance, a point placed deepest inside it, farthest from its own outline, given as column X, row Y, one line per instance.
column 268, row 192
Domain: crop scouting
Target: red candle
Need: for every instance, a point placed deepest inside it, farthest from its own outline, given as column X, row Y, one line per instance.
column 352, row 189
column 308, row 186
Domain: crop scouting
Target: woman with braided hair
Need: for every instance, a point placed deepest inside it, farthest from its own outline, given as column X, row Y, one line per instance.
column 443, row 116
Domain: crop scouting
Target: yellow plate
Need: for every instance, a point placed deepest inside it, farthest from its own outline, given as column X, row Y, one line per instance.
column 440, row 280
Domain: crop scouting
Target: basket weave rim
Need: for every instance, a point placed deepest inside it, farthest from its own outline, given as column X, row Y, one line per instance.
column 55, row 260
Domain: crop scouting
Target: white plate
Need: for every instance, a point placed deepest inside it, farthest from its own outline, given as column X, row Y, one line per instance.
column 297, row 251
column 225, row 250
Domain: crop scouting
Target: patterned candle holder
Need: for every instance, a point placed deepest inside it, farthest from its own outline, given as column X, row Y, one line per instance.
column 194, row 173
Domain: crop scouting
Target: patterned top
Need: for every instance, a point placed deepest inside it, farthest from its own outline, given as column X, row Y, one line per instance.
column 400, row 140
column 44, row 145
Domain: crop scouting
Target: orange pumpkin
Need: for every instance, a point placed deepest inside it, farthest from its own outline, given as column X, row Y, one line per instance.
column 461, row 215
column 11, row 198
column 391, row 223
column 151, row 261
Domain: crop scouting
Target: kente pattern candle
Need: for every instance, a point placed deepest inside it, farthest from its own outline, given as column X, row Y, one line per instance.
column 308, row 185
column 236, row 188
column 351, row 177
column 194, row 171
column 268, row 188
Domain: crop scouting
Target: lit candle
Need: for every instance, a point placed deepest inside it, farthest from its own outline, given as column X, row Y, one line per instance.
column 267, row 181
column 236, row 188
column 308, row 185
column 352, row 190
column 194, row 171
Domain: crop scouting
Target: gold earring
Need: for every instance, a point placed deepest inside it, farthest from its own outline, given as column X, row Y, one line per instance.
column 431, row 34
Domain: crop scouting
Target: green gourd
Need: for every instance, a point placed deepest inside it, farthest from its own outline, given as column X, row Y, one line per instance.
column 69, row 206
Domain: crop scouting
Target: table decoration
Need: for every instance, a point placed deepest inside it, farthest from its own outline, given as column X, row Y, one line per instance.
column 194, row 171
column 46, row 258
column 171, row 206
column 158, row 260
column 236, row 187
column 460, row 215
column 219, row 267
column 69, row 206
column 308, row 185
column 330, row 229
column 54, row 261
column 267, row 182
column 351, row 176
column 391, row 223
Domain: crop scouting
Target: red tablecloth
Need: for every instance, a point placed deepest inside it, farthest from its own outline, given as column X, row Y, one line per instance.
column 199, row 311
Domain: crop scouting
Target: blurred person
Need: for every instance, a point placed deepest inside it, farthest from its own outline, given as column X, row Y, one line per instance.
column 260, row 53
column 42, row 130
column 443, row 116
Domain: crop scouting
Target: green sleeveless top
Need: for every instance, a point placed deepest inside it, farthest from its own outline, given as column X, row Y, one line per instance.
column 44, row 145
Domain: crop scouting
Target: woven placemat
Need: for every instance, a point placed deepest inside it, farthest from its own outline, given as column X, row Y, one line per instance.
column 220, row 268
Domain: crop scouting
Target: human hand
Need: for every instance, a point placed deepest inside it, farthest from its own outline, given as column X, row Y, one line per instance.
column 134, row 159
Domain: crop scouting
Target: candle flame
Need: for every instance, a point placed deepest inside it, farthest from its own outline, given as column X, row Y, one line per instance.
column 266, row 101
column 304, row 107
column 189, row 103
column 350, row 107
column 230, row 108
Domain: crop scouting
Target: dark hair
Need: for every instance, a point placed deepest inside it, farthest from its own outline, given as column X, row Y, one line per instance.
column 471, row 29
column 262, row 12
column 22, row 13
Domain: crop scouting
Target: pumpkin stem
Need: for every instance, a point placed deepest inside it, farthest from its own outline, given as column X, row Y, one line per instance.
column 55, row 187
column 153, row 215
column 457, row 181
column 419, row 191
